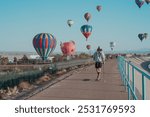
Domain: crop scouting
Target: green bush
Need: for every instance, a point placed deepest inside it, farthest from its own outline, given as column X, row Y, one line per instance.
column 13, row 79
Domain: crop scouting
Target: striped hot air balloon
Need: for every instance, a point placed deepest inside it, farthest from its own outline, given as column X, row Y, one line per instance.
column 44, row 44
column 86, row 30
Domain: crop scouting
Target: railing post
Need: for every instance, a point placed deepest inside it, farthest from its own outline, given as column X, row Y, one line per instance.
column 143, row 88
column 128, row 74
column 133, row 81
column 125, row 71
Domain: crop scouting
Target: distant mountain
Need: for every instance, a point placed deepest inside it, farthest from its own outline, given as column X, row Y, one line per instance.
column 144, row 49
column 138, row 51
column 16, row 52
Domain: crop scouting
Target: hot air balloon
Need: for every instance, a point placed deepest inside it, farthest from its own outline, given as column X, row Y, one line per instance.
column 147, row 1
column 44, row 44
column 68, row 48
column 141, row 36
column 99, row 8
column 88, row 47
column 87, row 16
column 145, row 35
column 112, row 45
column 86, row 30
column 139, row 3
column 70, row 22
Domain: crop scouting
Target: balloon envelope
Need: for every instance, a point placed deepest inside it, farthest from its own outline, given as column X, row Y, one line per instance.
column 86, row 30
column 68, row 48
column 139, row 3
column 141, row 36
column 145, row 35
column 112, row 45
column 88, row 47
column 87, row 16
column 44, row 44
column 70, row 22
column 147, row 1
column 99, row 8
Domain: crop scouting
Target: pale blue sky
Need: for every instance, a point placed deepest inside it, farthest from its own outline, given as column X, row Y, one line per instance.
column 119, row 21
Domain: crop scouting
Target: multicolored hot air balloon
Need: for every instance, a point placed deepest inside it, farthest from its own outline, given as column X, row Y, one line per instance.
column 86, row 30
column 88, row 47
column 70, row 22
column 44, row 44
column 98, row 8
column 147, row 1
column 139, row 3
column 112, row 45
column 87, row 16
column 68, row 48
column 141, row 36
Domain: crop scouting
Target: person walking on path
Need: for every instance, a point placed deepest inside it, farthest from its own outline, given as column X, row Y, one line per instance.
column 99, row 58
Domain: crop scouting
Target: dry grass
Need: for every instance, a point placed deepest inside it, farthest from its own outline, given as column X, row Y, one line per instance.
column 24, row 85
column 43, row 79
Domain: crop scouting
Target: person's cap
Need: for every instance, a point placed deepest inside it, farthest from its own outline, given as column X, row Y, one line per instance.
column 99, row 49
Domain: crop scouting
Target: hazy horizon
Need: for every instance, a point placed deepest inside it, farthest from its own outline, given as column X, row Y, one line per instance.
column 142, row 50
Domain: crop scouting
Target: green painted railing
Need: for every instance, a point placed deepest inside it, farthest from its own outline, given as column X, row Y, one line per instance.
column 134, row 79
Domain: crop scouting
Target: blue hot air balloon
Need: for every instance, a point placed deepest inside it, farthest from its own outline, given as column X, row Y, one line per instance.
column 141, row 36
column 86, row 30
column 44, row 44
column 139, row 3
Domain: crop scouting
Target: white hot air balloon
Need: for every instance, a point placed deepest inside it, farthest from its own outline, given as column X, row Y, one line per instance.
column 70, row 22
column 112, row 45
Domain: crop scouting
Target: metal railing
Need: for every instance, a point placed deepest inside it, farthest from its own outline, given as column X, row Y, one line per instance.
column 136, row 81
column 66, row 64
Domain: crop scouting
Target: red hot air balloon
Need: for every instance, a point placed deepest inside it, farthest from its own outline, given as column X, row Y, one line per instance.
column 88, row 47
column 87, row 16
column 68, row 48
column 99, row 8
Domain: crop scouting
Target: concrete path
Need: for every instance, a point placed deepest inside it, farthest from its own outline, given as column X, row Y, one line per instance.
column 81, row 85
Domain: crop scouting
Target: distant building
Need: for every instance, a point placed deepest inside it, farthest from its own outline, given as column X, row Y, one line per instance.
column 34, row 57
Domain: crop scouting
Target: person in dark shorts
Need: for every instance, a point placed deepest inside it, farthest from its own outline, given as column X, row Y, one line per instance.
column 99, row 58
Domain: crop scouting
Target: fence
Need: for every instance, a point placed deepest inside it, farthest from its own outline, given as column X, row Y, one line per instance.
column 136, row 81
column 66, row 64
column 11, row 79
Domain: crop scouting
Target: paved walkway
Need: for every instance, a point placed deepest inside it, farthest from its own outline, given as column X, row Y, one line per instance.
column 82, row 85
